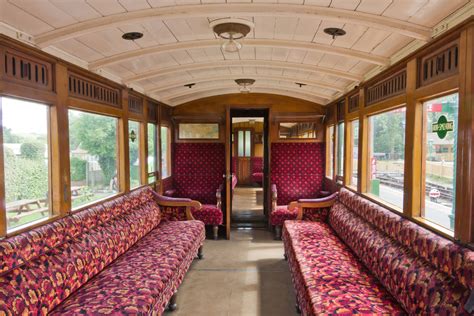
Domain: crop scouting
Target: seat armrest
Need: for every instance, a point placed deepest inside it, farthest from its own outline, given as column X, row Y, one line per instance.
column 166, row 201
column 170, row 192
column 219, row 196
column 274, row 197
column 301, row 204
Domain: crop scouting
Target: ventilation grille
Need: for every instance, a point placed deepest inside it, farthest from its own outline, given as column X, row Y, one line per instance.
column 85, row 88
column 135, row 104
column 340, row 110
column 441, row 64
column 27, row 69
column 353, row 103
column 392, row 86
column 152, row 111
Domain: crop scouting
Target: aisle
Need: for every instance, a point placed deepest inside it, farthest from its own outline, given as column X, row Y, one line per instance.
column 244, row 276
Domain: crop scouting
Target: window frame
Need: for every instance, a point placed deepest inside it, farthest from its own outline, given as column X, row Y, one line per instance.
column 168, row 158
column 53, row 213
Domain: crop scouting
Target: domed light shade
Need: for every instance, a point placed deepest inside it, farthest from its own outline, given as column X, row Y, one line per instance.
column 231, row 30
column 245, row 84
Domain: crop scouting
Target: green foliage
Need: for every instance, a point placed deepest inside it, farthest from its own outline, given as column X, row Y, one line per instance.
column 389, row 131
column 32, row 150
column 9, row 137
column 78, row 169
column 25, row 178
column 98, row 135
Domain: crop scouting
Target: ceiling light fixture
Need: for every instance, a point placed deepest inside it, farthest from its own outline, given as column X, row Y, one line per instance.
column 231, row 30
column 245, row 84
column 189, row 85
column 334, row 31
column 131, row 36
column 300, row 84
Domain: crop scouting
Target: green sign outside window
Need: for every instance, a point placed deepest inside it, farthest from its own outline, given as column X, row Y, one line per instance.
column 442, row 127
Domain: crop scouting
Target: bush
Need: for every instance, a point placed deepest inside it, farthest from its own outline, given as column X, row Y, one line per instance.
column 78, row 169
column 32, row 150
column 25, row 178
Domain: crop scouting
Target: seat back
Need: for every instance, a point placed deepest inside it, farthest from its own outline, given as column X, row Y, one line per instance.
column 256, row 163
column 41, row 268
column 297, row 170
column 198, row 170
column 427, row 274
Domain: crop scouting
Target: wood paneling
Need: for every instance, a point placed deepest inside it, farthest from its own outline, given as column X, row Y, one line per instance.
column 92, row 90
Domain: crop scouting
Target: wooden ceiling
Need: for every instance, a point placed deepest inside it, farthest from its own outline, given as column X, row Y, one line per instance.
column 286, row 46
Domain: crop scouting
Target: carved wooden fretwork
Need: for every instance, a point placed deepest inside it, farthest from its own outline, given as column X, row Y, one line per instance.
column 440, row 64
column 27, row 69
column 340, row 110
column 135, row 104
column 353, row 103
column 392, row 86
column 94, row 91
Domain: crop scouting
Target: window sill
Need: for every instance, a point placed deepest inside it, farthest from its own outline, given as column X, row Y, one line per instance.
column 433, row 226
column 96, row 202
column 29, row 226
column 383, row 203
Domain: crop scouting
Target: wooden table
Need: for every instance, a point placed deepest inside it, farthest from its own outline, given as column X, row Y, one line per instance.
column 26, row 207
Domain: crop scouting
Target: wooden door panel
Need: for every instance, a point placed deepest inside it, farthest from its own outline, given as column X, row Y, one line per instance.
column 243, row 170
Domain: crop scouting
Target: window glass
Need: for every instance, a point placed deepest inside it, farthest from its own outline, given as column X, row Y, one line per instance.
column 240, row 138
column 340, row 149
column 440, row 129
column 330, row 151
column 151, row 128
column 165, row 152
column 355, row 151
column 26, row 161
column 133, row 150
column 297, row 130
column 387, row 156
column 248, row 143
column 93, row 155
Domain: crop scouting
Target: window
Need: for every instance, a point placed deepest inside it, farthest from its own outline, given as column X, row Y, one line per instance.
column 340, row 149
column 440, row 123
column 294, row 130
column 387, row 155
column 26, row 161
column 165, row 152
column 134, row 153
column 151, row 128
column 93, row 155
column 355, row 151
column 244, row 143
column 330, row 151
column 198, row 130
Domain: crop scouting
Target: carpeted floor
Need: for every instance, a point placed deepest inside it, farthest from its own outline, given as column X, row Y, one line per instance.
column 246, row 275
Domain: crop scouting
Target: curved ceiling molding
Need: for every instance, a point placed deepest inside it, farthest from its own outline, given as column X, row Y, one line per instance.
column 235, row 9
column 235, row 87
column 309, row 82
column 222, row 90
column 160, row 71
column 306, row 46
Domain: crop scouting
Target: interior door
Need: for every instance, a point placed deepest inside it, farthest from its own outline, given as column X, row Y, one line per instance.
column 244, row 151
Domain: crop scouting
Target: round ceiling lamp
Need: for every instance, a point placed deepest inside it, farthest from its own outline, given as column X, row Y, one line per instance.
column 131, row 36
column 245, row 84
column 334, row 31
column 231, row 30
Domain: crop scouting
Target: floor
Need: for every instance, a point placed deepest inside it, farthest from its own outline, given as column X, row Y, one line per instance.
column 246, row 275
column 247, row 207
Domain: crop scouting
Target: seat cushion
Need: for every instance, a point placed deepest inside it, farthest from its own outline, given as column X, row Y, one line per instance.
column 257, row 177
column 328, row 277
column 209, row 214
column 143, row 279
column 281, row 214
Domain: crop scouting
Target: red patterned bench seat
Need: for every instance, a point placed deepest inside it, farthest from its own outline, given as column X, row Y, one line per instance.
column 120, row 257
column 365, row 259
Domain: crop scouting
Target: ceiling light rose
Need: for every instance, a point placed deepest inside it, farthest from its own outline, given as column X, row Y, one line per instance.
column 245, row 84
column 231, row 30
column 334, row 31
column 131, row 36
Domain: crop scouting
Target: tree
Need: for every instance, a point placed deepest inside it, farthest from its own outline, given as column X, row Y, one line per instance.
column 389, row 130
column 32, row 150
column 98, row 135
column 78, row 169
column 9, row 137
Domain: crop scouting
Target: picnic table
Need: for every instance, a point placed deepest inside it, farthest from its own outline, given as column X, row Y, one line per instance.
column 26, row 207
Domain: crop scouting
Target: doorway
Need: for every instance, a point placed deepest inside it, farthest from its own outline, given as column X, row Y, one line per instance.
column 249, row 167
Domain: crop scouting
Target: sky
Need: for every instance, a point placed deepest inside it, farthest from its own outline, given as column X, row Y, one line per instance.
column 24, row 117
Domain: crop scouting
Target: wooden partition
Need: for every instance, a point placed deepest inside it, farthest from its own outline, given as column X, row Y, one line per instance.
column 30, row 74
column 440, row 68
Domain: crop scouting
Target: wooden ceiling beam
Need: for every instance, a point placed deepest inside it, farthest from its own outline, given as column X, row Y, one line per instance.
column 288, row 44
column 235, row 87
column 182, row 82
column 231, row 90
column 160, row 71
column 235, row 9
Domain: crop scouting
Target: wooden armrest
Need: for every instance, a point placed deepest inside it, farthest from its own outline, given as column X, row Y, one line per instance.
column 274, row 197
column 178, row 202
column 219, row 197
column 312, row 203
